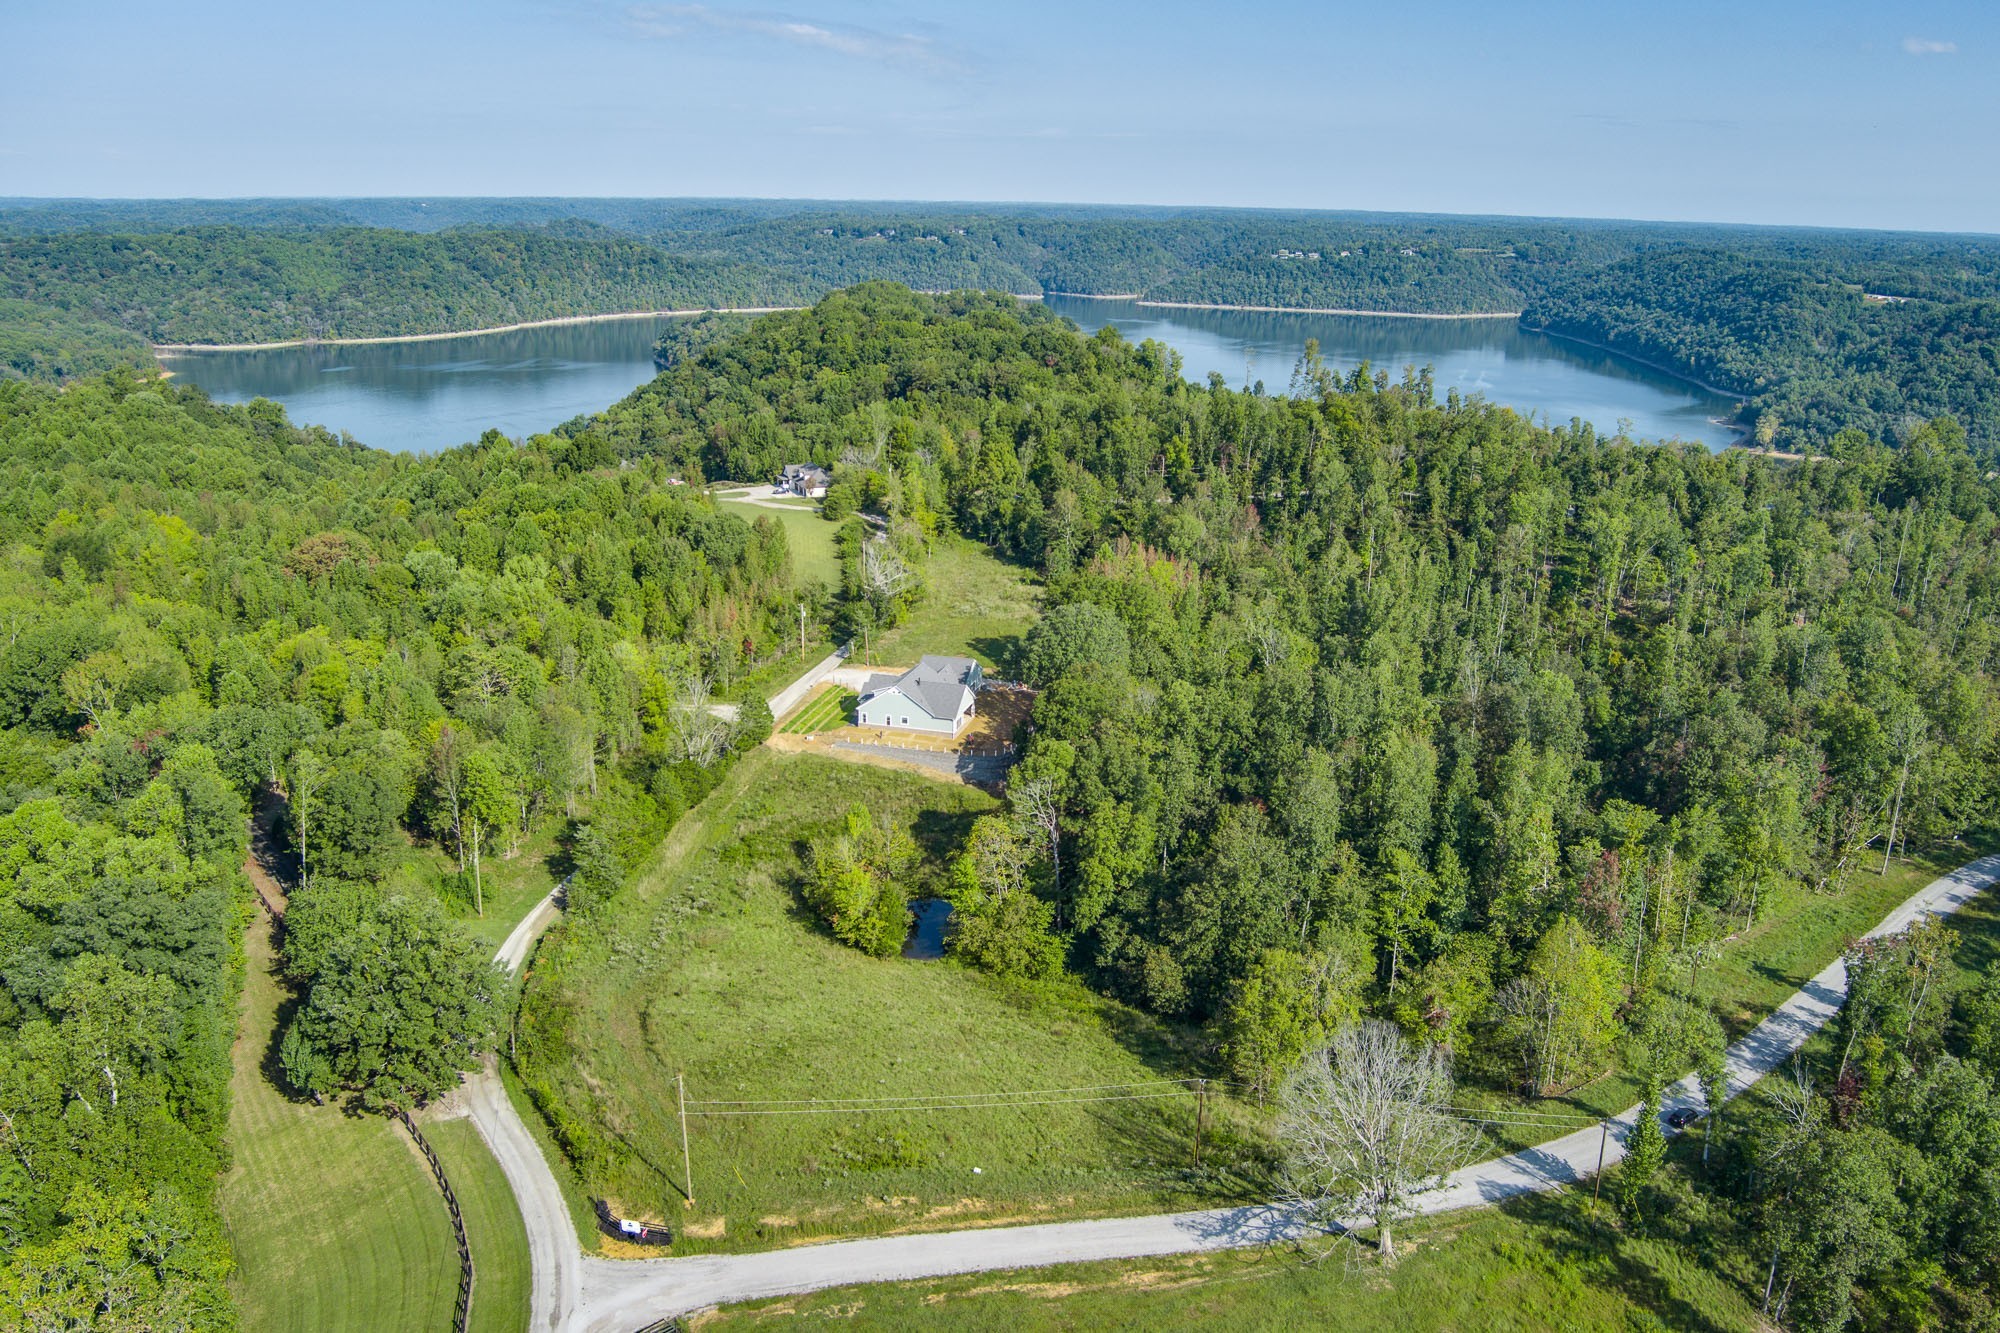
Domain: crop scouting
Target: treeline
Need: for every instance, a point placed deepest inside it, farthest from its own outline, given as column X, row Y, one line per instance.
column 209, row 612
column 43, row 343
column 228, row 284
column 1815, row 346
column 1355, row 702
column 1778, row 316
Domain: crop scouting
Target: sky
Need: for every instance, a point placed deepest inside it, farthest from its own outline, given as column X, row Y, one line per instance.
column 1818, row 112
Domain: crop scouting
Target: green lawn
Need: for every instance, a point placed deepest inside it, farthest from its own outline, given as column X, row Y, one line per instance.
column 826, row 711
column 500, row 1273
column 334, row 1219
column 808, row 536
column 710, row 965
column 1536, row 1264
column 973, row 604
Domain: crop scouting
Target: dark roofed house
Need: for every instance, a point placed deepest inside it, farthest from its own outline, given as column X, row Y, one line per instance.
column 805, row 479
column 938, row 695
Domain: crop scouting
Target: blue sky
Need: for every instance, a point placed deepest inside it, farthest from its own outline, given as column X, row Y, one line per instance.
column 1824, row 112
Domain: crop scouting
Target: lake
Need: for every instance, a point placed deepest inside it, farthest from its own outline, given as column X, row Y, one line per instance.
column 1532, row 373
column 420, row 397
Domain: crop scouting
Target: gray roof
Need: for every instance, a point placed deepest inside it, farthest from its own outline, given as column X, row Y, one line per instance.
column 938, row 685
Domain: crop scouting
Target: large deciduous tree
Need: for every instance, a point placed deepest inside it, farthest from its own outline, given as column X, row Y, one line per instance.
column 1366, row 1128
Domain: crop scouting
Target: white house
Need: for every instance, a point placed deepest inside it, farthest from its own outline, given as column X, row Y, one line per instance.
column 804, row 479
column 937, row 695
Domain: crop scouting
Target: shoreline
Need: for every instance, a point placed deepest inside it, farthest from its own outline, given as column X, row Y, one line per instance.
column 1634, row 357
column 1320, row 310
column 184, row 349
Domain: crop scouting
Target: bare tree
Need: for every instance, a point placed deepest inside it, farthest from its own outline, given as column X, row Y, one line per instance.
column 1039, row 804
column 1366, row 1128
column 702, row 731
column 1909, row 736
column 883, row 572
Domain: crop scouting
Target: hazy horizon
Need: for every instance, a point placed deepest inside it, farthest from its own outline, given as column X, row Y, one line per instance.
column 1840, row 114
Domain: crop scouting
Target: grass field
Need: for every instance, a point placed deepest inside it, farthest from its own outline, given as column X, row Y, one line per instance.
column 492, row 1224
column 335, row 1220
column 1538, row 1264
column 829, row 709
column 808, row 536
column 710, row 965
column 973, row 604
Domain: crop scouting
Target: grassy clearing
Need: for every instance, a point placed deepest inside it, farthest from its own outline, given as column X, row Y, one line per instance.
column 1537, row 1264
column 334, row 1219
column 973, row 604
column 826, row 711
column 807, row 535
column 492, row 1224
column 511, row 886
column 710, row 965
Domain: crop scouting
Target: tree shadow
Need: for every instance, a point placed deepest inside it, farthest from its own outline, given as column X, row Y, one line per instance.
column 1003, row 650
column 1599, row 1255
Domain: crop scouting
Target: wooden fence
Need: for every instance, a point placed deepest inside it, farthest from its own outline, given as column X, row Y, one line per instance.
column 463, row 1313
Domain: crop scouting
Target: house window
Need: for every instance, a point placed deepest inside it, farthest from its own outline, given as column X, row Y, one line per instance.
column 906, row 722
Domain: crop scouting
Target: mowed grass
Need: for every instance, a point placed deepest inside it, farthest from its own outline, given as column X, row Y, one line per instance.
column 334, row 1219
column 974, row 605
column 493, row 1226
column 710, row 965
column 1536, row 1264
column 809, row 537
column 828, row 710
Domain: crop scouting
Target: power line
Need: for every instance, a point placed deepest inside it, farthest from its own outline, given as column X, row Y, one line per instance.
column 959, row 1106
column 941, row 1096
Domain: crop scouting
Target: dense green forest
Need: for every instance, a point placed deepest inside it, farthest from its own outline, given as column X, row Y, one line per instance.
column 1785, row 318
column 206, row 607
column 234, row 285
column 1351, row 701
column 1355, row 702
column 1813, row 349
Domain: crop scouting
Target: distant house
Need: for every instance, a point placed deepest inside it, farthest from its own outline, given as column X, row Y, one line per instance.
column 937, row 695
column 804, row 479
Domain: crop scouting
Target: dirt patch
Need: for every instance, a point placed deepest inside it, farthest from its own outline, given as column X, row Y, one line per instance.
column 708, row 1228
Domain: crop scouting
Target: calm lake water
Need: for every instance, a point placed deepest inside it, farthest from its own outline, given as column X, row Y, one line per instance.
column 425, row 396
column 1532, row 373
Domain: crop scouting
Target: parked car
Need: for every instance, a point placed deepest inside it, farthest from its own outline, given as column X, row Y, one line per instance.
column 1682, row 1116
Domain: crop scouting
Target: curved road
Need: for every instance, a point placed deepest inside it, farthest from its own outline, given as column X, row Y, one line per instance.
column 575, row 1292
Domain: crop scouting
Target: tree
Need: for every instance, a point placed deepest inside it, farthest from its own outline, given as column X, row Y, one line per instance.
column 1560, row 1013
column 997, row 922
column 1645, row 1148
column 1365, row 1126
column 399, row 1007
column 447, row 780
column 859, row 881
column 486, row 803
column 1070, row 636
column 1270, row 1021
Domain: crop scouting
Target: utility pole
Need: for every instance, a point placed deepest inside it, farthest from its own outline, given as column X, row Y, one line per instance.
column 1596, row 1184
column 802, row 629
column 1200, row 1115
column 687, row 1170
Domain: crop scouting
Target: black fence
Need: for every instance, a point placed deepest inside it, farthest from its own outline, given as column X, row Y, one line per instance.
column 463, row 1313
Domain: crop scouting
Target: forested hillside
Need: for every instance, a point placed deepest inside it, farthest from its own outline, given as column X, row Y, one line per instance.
column 206, row 607
column 228, row 285
column 1357, row 703
column 1813, row 350
column 1784, row 317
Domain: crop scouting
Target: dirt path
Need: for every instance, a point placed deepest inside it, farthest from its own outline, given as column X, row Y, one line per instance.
column 265, row 857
